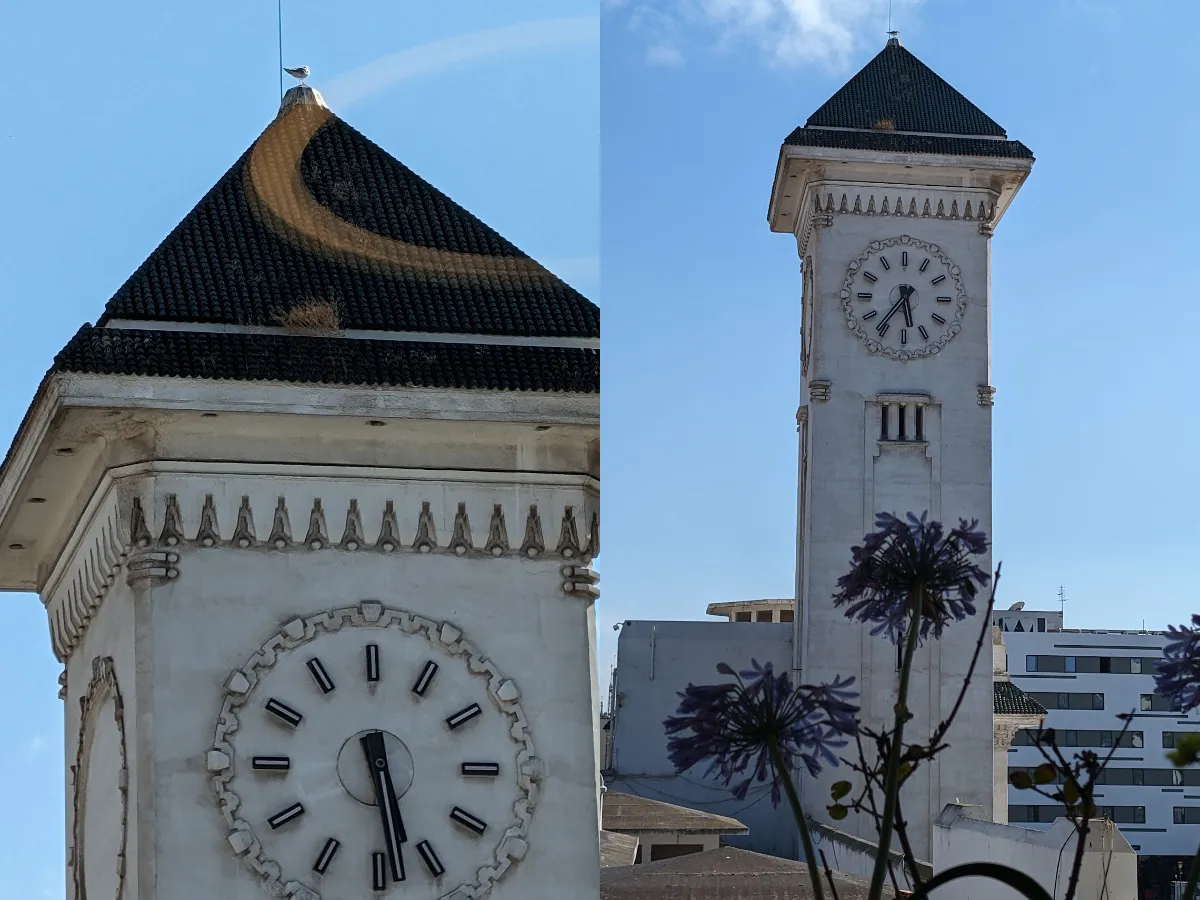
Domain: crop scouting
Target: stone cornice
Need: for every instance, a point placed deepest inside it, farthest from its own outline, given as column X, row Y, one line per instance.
column 822, row 201
column 126, row 527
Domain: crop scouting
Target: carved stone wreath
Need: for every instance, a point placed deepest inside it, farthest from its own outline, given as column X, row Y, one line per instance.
column 856, row 326
column 102, row 687
column 446, row 638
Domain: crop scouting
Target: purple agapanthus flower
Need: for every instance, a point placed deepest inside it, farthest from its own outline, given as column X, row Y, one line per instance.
column 1178, row 672
column 732, row 726
column 904, row 554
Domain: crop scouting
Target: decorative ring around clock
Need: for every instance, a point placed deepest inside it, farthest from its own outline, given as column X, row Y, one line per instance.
column 512, row 845
column 856, row 327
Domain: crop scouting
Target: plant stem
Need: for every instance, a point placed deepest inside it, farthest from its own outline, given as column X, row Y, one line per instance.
column 1193, row 877
column 810, row 855
column 891, row 786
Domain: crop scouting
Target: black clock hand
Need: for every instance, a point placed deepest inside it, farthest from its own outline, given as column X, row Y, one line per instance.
column 891, row 312
column 394, row 835
column 906, row 292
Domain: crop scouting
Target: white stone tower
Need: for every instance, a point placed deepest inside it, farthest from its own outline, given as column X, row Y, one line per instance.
column 892, row 190
column 312, row 509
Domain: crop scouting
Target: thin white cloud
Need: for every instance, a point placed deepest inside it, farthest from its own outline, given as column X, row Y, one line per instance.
column 827, row 33
column 35, row 747
column 661, row 34
column 357, row 84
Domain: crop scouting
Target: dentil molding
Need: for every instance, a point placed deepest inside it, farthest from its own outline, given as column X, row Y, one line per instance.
column 832, row 199
column 103, row 686
column 445, row 638
column 113, row 543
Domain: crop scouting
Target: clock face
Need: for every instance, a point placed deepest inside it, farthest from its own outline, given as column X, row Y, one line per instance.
column 369, row 752
column 904, row 298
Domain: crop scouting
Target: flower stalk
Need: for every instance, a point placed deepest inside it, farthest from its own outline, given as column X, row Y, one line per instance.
column 810, row 855
column 891, row 785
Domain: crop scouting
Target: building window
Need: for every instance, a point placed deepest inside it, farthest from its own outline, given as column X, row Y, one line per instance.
column 787, row 615
column 742, row 617
column 670, row 851
column 903, row 424
column 1104, row 665
column 919, row 421
column 764, row 615
column 1170, row 737
column 1041, row 623
column 1068, row 700
column 1187, row 815
column 1157, row 703
column 883, row 422
column 1082, row 737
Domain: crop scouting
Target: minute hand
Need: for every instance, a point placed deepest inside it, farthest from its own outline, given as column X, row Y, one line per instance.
column 375, row 751
column 891, row 312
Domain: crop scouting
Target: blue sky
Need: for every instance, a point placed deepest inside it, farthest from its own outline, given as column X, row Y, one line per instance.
column 121, row 116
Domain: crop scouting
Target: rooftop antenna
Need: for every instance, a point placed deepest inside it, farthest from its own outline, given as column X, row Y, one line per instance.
column 1062, row 599
column 891, row 31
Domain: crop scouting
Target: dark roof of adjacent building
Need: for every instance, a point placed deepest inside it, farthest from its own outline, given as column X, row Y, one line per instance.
column 631, row 813
column 1010, row 700
column 723, row 874
column 314, row 210
column 897, row 103
column 617, row 849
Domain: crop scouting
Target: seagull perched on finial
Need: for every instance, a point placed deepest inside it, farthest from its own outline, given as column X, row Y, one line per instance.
column 300, row 72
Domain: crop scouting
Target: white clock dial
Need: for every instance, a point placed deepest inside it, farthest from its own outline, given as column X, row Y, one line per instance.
column 369, row 752
column 904, row 298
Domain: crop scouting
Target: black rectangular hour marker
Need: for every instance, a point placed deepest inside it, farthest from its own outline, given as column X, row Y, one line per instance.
column 924, row 333
column 465, row 715
column 872, row 314
column 481, row 769
column 432, row 863
column 924, row 266
column 468, row 821
column 320, row 676
column 943, row 299
column 883, row 329
column 863, row 295
column 883, row 262
column 871, row 278
column 903, row 335
column 424, row 678
column 283, row 712
column 325, row 857
column 938, row 280
column 270, row 763
column 378, row 872
column 938, row 319
column 372, row 654
column 904, row 260
column 281, row 818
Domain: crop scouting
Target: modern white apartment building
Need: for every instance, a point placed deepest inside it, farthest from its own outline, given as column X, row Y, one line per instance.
column 1085, row 678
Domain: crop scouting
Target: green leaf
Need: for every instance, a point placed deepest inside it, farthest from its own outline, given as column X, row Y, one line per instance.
column 1070, row 793
column 1020, row 780
column 1045, row 774
column 1187, row 750
column 905, row 770
column 837, row 812
column 839, row 790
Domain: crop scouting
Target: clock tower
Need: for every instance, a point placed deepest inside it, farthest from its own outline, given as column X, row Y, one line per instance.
column 312, row 509
column 892, row 190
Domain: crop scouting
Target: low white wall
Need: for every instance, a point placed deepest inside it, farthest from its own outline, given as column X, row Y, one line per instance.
column 853, row 855
column 962, row 834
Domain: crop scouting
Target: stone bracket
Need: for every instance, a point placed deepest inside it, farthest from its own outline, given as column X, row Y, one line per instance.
column 151, row 565
column 580, row 581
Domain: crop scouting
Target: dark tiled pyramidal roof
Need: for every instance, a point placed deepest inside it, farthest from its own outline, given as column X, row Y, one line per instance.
column 316, row 214
column 896, row 103
column 316, row 211
column 1010, row 700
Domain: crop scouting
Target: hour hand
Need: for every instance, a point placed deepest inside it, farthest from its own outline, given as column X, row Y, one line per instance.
column 906, row 299
column 375, row 751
